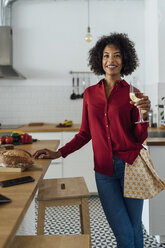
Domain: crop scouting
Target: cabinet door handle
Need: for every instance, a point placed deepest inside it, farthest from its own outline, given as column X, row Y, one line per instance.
column 62, row 185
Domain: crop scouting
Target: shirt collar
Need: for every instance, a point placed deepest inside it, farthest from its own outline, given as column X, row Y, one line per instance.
column 123, row 82
column 118, row 82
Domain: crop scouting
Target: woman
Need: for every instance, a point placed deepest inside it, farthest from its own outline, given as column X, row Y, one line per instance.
column 108, row 119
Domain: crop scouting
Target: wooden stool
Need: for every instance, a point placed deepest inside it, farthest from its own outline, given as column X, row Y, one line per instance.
column 51, row 241
column 62, row 192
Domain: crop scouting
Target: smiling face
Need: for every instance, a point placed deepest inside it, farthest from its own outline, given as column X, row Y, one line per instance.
column 112, row 61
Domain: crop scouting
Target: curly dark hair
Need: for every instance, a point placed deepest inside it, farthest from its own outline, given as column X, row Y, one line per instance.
column 126, row 47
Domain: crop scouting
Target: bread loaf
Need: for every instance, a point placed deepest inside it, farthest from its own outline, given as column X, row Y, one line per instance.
column 16, row 158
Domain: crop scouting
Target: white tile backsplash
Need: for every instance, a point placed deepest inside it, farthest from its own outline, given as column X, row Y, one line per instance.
column 21, row 104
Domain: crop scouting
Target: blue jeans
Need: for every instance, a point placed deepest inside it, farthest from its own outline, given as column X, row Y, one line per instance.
column 124, row 215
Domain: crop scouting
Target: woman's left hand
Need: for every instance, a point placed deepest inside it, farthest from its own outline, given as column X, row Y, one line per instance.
column 144, row 106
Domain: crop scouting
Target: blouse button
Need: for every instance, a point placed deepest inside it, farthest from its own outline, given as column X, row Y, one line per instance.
column 106, row 125
column 105, row 114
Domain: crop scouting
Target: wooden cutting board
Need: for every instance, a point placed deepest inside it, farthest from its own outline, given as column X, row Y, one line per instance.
column 33, row 124
column 6, row 169
column 31, row 148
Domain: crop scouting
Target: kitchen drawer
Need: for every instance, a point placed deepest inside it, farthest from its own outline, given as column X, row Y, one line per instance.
column 80, row 163
column 47, row 136
column 54, row 171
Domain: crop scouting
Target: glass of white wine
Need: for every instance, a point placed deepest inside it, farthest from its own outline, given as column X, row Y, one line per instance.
column 136, row 93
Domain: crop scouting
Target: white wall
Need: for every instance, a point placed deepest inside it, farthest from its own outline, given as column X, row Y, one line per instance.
column 155, row 52
column 161, row 11
column 48, row 41
column 151, row 52
column 161, row 84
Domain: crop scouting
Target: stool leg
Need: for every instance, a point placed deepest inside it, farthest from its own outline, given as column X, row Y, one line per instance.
column 41, row 218
column 84, row 217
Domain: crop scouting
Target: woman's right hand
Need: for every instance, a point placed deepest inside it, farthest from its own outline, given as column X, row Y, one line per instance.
column 46, row 153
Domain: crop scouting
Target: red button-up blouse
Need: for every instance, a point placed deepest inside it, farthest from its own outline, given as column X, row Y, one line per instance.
column 111, row 126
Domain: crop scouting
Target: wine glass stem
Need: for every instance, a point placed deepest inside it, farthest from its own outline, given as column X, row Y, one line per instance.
column 141, row 119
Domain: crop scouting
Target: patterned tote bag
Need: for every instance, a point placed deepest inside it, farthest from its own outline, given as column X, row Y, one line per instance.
column 140, row 179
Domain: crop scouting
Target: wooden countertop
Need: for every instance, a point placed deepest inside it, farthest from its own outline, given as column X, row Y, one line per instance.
column 11, row 214
column 157, row 129
column 44, row 128
column 155, row 142
column 76, row 128
column 48, row 127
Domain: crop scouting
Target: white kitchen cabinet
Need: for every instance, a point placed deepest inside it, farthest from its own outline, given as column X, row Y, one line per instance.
column 157, row 204
column 80, row 163
column 153, row 210
column 55, row 169
column 145, row 215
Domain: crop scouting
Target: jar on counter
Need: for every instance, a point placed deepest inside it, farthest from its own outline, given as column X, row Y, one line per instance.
column 150, row 117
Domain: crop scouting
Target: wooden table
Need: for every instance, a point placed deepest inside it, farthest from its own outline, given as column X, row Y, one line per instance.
column 11, row 214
